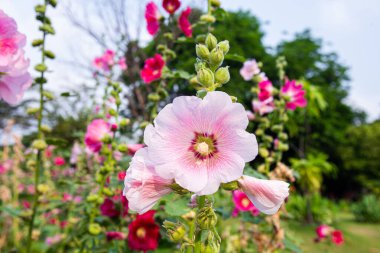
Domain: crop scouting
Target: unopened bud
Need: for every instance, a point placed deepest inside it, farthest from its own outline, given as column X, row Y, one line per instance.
column 207, row 218
column 231, row 186
column 32, row 110
column 154, row 97
column 200, row 38
column 48, row 95
column 40, row 67
column 202, row 51
column 94, row 228
column 92, row 198
column 39, row 144
column 53, row 3
column 37, row 42
column 233, row 99
column 108, row 192
column 263, row 152
column 122, row 148
column 40, row 8
column 283, row 146
column 193, row 81
column 49, row 54
column 222, row 75
column 205, row 77
column 283, row 136
column 216, row 58
column 277, row 128
column 224, row 46
column 125, row 122
column 215, row 3
column 211, row 41
column 175, row 231
column 46, row 129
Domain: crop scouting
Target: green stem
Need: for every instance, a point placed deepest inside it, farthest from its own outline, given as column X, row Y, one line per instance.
column 198, row 231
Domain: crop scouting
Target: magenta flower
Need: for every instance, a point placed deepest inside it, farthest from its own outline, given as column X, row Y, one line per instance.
column 108, row 208
column 265, row 90
column 249, row 70
column 294, row 94
column 322, row 231
column 171, row 5
column 337, row 237
column 152, row 17
column 184, row 23
column 96, row 132
column 59, row 161
column 152, row 68
column 201, row 142
column 114, row 235
column 263, row 107
column 122, row 63
column 266, row 195
column 3, row 170
column 142, row 186
column 243, row 204
column 104, row 62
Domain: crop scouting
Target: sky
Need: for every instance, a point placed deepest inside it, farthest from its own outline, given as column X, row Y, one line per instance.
column 350, row 28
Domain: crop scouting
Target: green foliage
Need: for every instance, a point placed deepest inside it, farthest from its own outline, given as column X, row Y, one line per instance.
column 323, row 210
column 360, row 155
column 367, row 209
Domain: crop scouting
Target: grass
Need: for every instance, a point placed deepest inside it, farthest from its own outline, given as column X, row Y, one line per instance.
column 359, row 237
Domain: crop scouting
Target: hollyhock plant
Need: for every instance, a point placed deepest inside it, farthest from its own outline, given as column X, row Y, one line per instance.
column 337, row 237
column 184, row 23
column 249, row 70
column 266, row 195
column 143, row 187
column 152, row 17
column 143, row 232
column 265, row 90
column 114, row 235
column 96, row 132
column 201, row 143
column 171, row 5
column 152, row 68
column 263, row 107
column 294, row 94
column 243, row 204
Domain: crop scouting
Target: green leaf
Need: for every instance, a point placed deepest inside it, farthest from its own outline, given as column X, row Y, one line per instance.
column 177, row 207
column 56, row 141
column 182, row 74
column 235, row 57
column 12, row 211
column 289, row 245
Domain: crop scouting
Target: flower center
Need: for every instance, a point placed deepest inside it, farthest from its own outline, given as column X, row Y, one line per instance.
column 141, row 233
column 245, row 202
column 204, row 146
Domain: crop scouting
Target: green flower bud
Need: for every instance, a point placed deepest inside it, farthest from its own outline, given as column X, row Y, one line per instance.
column 207, row 218
column 46, row 129
column 168, row 36
column 39, row 144
column 222, row 75
column 254, row 90
column 259, row 132
column 112, row 112
column 108, row 192
column 211, row 41
column 200, row 38
column 99, row 177
column 40, row 8
column 49, row 54
column 231, row 186
column 233, row 99
column 38, row 42
column 53, row 3
column 283, row 146
column 154, row 97
column 30, row 164
column 268, row 138
column 215, row 3
column 125, row 122
column 94, row 229
column 199, row 65
column 175, row 231
column 216, row 58
column 263, row 152
column 47, row 29
column 122, row 148
column 48, row 95
column 194, row 81
column 202, row 51
column 32, row 110
column 40, row 80
column 283, row 136
column 277, row 128
column 205, row 77
column 224, row 46
column 40, row 67
column 92, row 198
column 170, row 54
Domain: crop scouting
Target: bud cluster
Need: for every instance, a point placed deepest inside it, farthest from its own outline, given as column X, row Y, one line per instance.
column 210, row 57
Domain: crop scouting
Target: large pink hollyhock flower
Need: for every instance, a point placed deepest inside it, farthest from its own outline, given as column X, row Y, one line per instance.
column 152, row 17
column 96, row 131
column 265, row 90
column 142, row 186
column 266, row 195
column 171, row 5
column 243, row 204
column 249, row 70
column 295, row 95
column 263, row 107
column 10, row 39
column 337, row 237
column 201, row 142
column 152, row 68
column 184, row 23
column 322, row 231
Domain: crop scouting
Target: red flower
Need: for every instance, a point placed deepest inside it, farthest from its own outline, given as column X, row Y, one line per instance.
column 108, row 208
column 171, row 5
column 26, row 204
column 59, row 161
column 143, row 232
column 121, row 175
column 337, row 237
column 152, row 68
column 152, row 17
column 114, row 235
column 184, row 22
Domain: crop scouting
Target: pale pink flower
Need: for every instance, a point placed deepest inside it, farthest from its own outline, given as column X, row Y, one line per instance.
column 250, row 115
column 265, row 90
column 294, row 94
column 122, row 63
column 266, row 195
column 142, row 186
column 96, row 132
column 53, row 239
column 249, row 70
column 76, row 151
column 323, row 231
column 201, row 142
column 263, row 107
column 104, row 62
